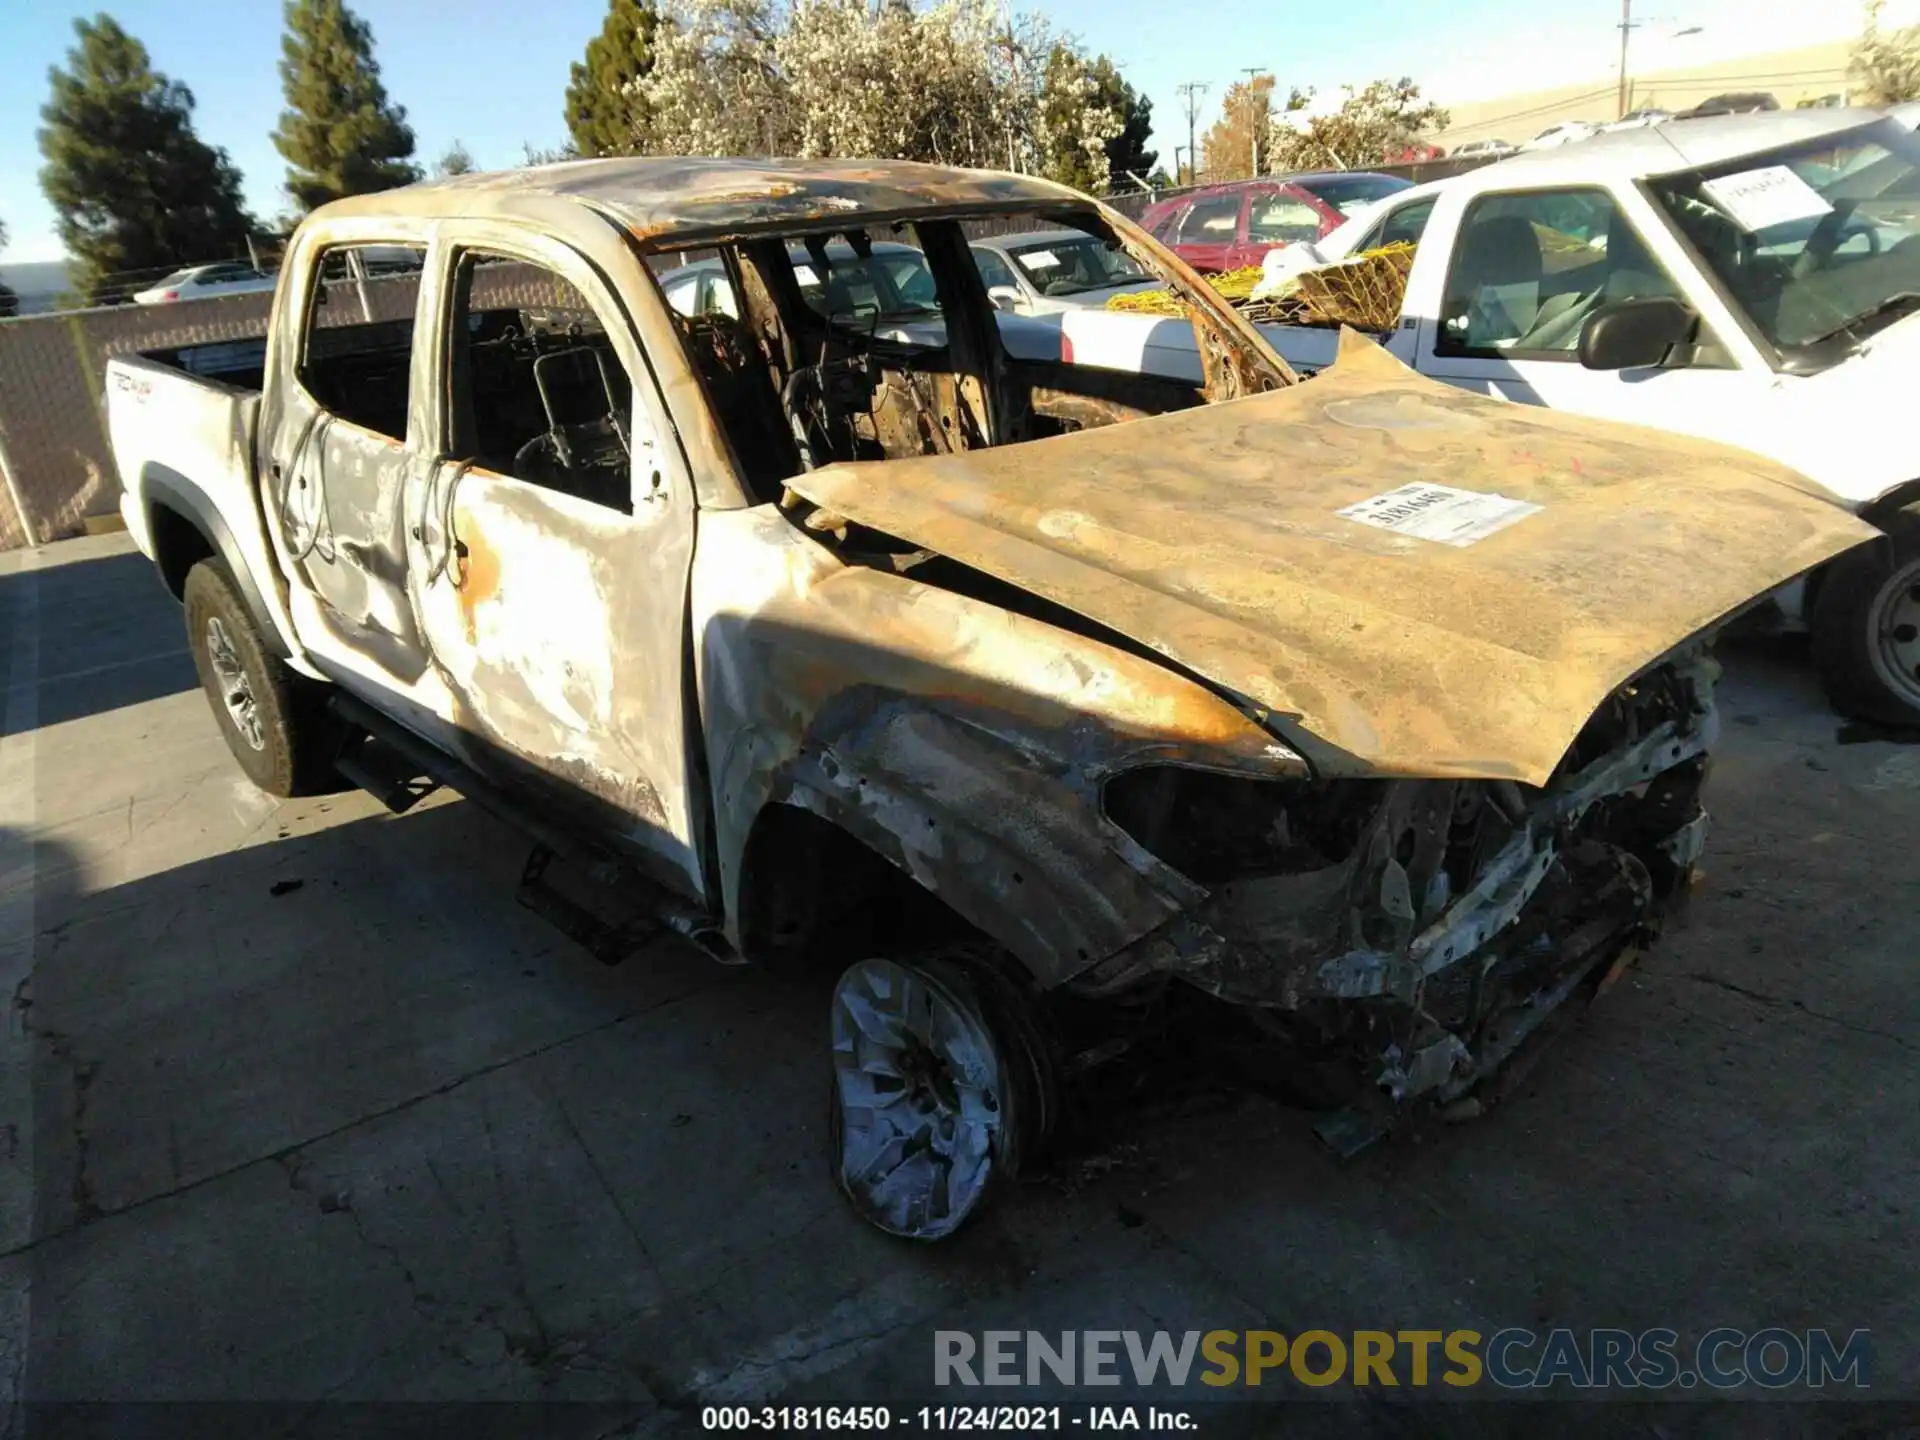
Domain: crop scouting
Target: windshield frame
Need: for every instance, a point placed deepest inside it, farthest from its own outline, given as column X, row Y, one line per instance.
column 1807, row 358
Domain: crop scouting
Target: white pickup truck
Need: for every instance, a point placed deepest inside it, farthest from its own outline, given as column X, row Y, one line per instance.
column 1751, row 279
column 822, row 621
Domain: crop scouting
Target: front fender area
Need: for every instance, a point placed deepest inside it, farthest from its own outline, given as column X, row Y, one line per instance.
column 963, row 741
column 1019, row 855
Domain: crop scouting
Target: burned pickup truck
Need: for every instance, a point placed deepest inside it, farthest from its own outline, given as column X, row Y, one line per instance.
column 808, row 606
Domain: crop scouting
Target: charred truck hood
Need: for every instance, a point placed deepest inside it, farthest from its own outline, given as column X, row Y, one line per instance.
column 1215, row 536
column 1506, row 727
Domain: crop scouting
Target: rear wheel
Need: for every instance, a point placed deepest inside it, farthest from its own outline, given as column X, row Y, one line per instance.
column 1866, row 628
column 940, row 1087
column 271, row 720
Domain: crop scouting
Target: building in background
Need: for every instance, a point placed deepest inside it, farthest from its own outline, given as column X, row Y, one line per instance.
column 1809, row 75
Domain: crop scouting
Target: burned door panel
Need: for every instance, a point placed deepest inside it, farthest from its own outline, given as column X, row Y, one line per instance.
column 342, row 453
column 552, row 597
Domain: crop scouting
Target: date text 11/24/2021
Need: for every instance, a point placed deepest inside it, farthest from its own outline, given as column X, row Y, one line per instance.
column 879, row 1419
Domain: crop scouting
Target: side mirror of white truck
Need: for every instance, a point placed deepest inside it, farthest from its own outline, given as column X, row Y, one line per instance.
column 1632, row 334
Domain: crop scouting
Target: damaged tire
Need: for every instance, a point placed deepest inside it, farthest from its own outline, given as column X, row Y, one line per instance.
column 270, row 721
column 1866, row 628
column 940, row 1089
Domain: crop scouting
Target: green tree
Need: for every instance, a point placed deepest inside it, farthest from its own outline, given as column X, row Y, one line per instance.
column 1370, row 125
column 132, row 186
column 1126, row 152
column 339, row 134
column 456, row 161
column 604, row 113
column 1886, row 63
column 1068, row 152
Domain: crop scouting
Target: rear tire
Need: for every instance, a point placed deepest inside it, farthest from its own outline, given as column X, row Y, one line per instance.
column 272, row 719
column 1866, row 628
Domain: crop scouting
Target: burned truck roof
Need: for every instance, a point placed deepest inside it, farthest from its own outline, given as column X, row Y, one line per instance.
column 669, row 200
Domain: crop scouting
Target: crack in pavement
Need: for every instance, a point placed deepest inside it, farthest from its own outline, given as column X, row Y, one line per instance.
column 399, row 1107
column 81, row 1072
column 340, row 1202
column 752, row 1380
column 1760, row 997
column 593, row 1164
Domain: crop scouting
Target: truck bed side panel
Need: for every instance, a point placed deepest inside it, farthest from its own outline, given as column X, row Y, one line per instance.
column 186, row 443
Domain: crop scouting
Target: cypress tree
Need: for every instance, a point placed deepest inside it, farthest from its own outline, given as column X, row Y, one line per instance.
column 339, row 134
column 131, row 184
column 601, row 117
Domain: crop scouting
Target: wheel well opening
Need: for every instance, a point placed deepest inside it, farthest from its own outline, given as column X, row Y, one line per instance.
column 813, row 897
column 178, row 545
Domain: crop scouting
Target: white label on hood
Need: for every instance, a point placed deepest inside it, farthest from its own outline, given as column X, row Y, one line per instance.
column 1439, row 513
column 1760, row 199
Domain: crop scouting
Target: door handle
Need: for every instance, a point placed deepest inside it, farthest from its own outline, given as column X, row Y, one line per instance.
column 444, row 544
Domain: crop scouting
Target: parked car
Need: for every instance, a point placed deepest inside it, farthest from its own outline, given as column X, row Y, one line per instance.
column 1906, row 114
column 1050, row 705
column 1043, row 271
column 1564, row 133
column 1789, row 326
column 1746, row 102
column 891, row 288
column 1639, row 119
column 1484, row 149
column 198, row 282
column 1230, row 227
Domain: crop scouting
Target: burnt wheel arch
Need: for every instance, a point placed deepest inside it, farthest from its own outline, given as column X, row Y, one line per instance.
column 186, row 528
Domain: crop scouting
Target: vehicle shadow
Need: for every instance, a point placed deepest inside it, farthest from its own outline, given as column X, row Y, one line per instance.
column 101, row 640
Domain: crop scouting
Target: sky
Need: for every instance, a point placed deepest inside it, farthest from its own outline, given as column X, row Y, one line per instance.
column 492, row 73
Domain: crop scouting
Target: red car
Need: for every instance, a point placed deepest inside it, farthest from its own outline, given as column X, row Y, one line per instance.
column 1230, row 227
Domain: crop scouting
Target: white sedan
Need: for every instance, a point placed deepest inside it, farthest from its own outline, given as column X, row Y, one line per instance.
column 1564, row 133
column 1045, row 272
column 197, row 282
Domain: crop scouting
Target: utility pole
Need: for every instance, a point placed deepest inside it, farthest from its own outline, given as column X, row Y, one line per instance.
column 1626, row 29
column 1190, row 94
column 1252, row 73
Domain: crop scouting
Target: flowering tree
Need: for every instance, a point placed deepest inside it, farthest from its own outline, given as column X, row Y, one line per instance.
column 954, row 83
column 1886, row 63
column 1372, row 124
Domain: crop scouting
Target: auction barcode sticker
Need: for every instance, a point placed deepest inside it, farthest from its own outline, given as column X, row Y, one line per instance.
column 1761, row 199
column 1439, row 513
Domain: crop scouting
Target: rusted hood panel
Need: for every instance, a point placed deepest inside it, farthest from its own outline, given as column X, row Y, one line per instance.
column 1212, row 535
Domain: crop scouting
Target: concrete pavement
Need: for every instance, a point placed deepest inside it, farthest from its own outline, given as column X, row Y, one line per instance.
column 298, row 1104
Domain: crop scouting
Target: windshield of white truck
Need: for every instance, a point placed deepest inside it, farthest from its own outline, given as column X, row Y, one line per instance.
column 1819, row 243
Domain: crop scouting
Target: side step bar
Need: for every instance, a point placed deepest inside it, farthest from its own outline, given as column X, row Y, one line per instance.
column 395, row 786
column 608, row 943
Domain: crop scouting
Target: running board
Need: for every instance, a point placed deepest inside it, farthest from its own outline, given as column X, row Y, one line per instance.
column 396, row 786
column 598, row 865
